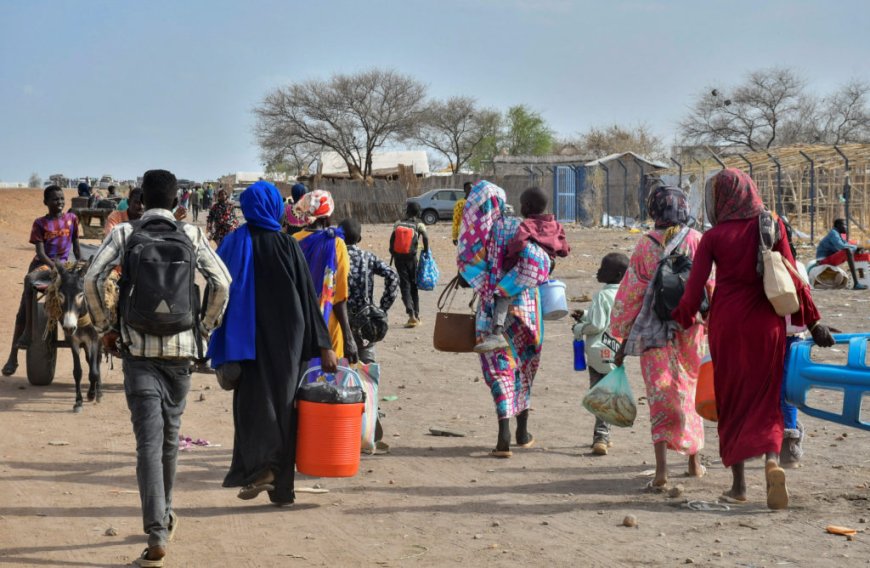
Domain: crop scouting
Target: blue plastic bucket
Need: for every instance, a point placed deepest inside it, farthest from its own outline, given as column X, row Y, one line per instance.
column 554, row 304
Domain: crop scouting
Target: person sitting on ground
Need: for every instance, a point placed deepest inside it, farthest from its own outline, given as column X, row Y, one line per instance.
column 134, row 211
column 593, row 326
column 457, row 212
column 834, row 250
column 404, row 246
column 55, row 235
column 539, row 228
column 364, row 265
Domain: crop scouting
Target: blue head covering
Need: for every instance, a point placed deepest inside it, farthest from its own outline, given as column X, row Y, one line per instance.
column 235, row 339
column 297, row 191
column 262, row 206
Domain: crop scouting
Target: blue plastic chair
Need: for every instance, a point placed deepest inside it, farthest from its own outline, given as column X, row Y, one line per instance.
column 852, row 379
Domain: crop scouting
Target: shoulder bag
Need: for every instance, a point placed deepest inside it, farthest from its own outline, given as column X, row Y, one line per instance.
column 454, row 332
column 776, row 271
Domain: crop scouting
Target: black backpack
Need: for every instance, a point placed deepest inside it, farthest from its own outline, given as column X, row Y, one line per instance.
column 158, row 293
column 669, row 282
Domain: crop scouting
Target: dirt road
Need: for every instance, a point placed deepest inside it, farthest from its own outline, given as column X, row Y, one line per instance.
column 66, row 479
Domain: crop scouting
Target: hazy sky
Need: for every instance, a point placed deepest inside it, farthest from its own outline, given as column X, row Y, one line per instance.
column 118, row 87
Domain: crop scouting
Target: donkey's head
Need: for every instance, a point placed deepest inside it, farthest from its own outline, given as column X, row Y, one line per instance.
column 71, row 293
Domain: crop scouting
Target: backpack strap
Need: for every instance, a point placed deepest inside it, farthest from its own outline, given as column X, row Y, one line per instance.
column 678, row 239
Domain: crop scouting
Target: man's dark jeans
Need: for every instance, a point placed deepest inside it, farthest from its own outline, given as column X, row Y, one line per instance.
column 156, row 392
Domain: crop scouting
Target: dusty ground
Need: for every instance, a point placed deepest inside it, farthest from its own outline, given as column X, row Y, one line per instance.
column 433, row 501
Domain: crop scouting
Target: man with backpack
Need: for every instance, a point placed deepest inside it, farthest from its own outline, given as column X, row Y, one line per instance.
column 404, row 246
column 159, row 331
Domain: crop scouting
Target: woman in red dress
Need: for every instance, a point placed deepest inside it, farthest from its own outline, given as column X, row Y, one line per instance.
column 746, row 336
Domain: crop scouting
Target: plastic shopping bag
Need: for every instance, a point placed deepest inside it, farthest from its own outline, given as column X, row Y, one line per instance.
column 368, row 377
column 427, row 272
column 612, row 400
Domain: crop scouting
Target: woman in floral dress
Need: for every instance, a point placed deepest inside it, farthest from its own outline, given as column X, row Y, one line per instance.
column 221, row 218
column 669, row 356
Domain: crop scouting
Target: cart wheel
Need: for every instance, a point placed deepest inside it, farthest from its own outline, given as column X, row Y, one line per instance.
column 42, row 353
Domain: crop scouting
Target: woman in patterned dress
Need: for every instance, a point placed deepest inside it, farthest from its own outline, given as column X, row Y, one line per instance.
column 221, row 218
column 669, row 356
column 508, row 372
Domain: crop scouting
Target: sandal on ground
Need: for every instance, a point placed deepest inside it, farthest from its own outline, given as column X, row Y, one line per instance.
column 173, row 526
column 312, row 490
column 705, row 506
column 600, row 448
column 251, row 490
column 725, row 498
column 9, row 369
column 144, row 562
column 777, row 492
column 528, row 444
column 496, row 453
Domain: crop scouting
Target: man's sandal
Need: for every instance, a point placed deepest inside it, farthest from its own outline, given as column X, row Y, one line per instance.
column 144, row 562
column 9, row 369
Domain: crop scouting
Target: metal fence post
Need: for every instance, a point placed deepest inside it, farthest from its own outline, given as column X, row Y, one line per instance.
column 624, row 189
column 715, row 157
column 641, row 202
column 748, row 163
column 607, row 191
column 680, row 175
column 779, row 210
column 847, row 186
column 702, row 181
column 812, row 197
column 556, row 191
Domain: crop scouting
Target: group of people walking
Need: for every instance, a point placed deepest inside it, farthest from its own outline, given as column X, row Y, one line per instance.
column 284, row 287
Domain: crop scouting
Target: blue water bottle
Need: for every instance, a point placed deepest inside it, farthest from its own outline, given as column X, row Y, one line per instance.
column 579, row 355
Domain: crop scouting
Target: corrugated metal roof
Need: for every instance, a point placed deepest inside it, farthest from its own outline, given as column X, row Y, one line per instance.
column 619, row 155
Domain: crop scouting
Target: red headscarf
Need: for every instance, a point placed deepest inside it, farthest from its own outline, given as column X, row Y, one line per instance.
column 731, row 194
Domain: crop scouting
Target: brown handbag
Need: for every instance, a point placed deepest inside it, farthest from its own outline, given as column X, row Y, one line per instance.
column 454, row 332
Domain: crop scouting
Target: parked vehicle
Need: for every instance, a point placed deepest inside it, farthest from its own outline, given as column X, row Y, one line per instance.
column 438, row 204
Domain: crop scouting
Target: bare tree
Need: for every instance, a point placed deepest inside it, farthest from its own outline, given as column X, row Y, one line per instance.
column 600, row 142
column 35, row 180
column 349, row 114
column 845, row 116
column 753, row 114
column 456, row 127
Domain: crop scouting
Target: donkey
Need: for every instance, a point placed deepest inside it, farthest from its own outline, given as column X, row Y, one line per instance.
column 78, row 330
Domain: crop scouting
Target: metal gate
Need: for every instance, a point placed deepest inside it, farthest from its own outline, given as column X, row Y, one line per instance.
column 567, row 187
